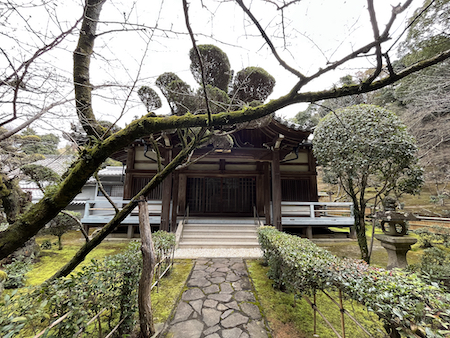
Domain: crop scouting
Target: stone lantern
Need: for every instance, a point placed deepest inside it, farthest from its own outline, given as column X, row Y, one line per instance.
column 395, row 242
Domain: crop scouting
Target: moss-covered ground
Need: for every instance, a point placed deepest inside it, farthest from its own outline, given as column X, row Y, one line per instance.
column 165, row 297
column 50, row 261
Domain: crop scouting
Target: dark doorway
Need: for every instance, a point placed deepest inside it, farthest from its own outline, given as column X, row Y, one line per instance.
column 221, row 195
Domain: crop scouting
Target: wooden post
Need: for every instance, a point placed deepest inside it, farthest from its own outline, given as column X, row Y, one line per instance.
column 182, row 192
column 148, row 263
column 130, row 231
column 266, row 184
column 127, row 187
column 173, row 219
column 259, row 189
column 341, row 308
column 276, row 189
column 315, row 315
column 309, row 232
column 314, row 195
column 166, row 193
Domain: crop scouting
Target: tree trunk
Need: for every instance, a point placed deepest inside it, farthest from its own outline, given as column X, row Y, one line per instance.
column 145, row 282
column 59, row 243
column 360, row 227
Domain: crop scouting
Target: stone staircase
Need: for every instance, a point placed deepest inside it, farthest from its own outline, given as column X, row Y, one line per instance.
column 219, row 233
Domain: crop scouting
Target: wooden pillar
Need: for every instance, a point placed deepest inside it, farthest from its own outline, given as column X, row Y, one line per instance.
column 166, row 193
column 314, row 195
column 259, row 189
column 266, row 184
column 309, row 232
column 182, row 193
column 175, row 184
column 276, row 189
column 130, row 231
column 131, row 153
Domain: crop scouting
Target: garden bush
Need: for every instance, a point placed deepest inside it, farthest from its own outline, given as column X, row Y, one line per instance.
column 16, row 272
column 403, row 301
column 109, row 284
column 438, row 235
column 46, row 245
column 435, row 266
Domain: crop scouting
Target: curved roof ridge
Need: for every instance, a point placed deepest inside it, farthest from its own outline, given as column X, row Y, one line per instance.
column 289, row 124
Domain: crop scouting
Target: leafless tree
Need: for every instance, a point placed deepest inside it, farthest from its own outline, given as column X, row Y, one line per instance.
column 104, row 142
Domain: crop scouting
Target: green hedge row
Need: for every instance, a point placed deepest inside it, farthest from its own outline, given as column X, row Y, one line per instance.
column 111, row 283
column 403, row 301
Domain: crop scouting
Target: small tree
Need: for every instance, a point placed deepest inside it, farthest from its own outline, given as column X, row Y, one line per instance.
column 363, row 144
column 59, row 225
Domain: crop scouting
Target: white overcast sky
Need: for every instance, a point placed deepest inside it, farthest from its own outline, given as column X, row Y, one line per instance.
column 317, row 31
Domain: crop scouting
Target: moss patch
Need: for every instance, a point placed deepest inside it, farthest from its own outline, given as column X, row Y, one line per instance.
column 164, row 300
column 294, row 318
column 50, row 261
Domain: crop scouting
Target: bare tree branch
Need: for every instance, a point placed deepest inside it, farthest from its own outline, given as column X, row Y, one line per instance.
column 33, row 119
column 269, row 42
column 200, row 61
column 105, row 194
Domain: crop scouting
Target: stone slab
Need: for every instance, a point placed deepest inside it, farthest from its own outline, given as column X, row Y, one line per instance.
column 192, row 294
column 187, row 329
column 234, row 320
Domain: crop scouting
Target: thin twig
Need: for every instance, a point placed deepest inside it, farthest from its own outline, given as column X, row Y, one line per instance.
column 100, row 187
column 197, row 52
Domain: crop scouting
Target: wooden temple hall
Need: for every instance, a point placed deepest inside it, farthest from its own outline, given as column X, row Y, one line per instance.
column 265, row 166
column 267, row 174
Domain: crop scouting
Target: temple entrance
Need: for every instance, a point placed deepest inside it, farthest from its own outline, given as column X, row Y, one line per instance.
column 221, row 195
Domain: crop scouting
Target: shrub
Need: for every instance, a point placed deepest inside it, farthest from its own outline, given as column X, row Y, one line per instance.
column 435, row 266
column 46, row 245
column 16, row 272
column 426, row 238
column 403, row 301
column 110, row 284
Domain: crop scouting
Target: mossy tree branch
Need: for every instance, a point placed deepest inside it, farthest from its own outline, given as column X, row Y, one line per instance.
column 28, row 224
column 120, row 216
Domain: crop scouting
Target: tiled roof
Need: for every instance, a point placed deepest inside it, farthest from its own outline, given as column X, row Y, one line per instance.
column 112, row 171
column 109, row 171
column 289, row 124
column 58, row 163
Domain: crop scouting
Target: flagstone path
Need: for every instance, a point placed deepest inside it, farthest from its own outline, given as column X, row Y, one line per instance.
column 219, row 303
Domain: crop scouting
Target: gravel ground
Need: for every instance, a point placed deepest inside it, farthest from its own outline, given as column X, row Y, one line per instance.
column 218, row 252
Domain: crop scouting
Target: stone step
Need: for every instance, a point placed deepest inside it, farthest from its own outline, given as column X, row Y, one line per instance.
column 218, row 238
column 220, row 220
column 218, row 227
column 201, row 245
column 219, row 233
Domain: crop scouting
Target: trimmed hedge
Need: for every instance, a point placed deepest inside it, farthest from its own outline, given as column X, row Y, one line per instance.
column 403, row 301
column 111, row 283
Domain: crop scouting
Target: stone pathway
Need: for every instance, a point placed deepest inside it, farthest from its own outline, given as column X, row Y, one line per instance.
column 219, row 303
